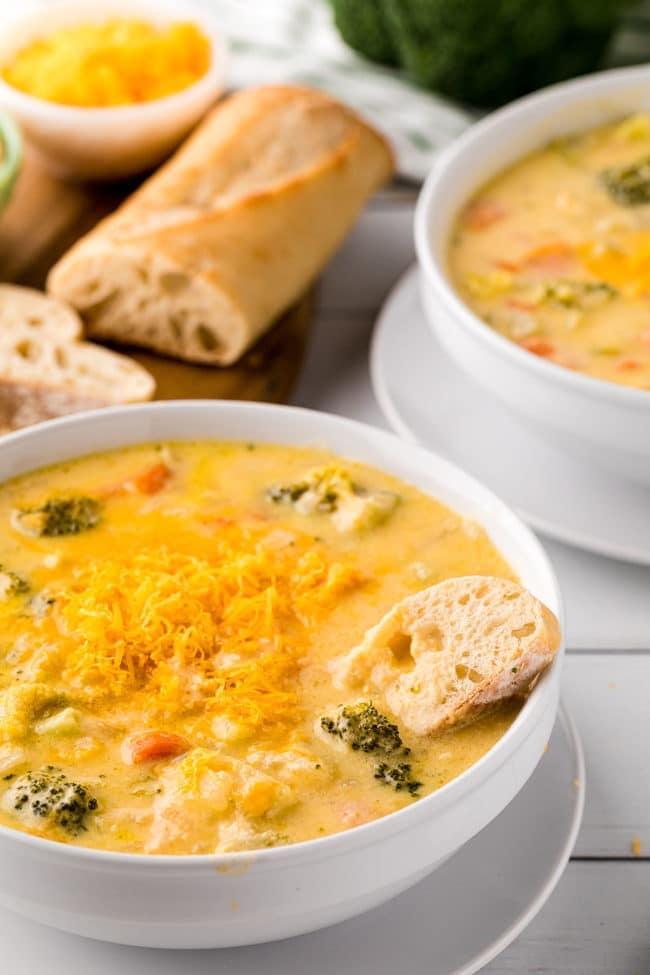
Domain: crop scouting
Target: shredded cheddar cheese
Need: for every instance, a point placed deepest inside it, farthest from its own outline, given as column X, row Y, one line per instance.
column 120, row 62
column 625, row 266
column 222, row 630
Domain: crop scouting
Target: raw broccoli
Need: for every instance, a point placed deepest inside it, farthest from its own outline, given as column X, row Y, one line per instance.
column 629, row 185
column 362, row 25
column 399, row 777
column 59, row 516
column 487, row 52
column 50, row 795
column 364, row 728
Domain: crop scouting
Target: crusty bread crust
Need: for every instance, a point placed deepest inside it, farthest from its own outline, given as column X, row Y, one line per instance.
column 228, row 234
column 447, row 653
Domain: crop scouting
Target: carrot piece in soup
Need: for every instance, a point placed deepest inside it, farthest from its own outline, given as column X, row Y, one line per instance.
column 521, row 305
column 554, row 256
column 148, row 481
column 628, row 365
column 482, row 214
column 153, row 745
column 153, row 479
column 538, row 346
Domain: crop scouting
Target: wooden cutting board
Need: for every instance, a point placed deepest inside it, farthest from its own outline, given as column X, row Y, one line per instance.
column 45, row 216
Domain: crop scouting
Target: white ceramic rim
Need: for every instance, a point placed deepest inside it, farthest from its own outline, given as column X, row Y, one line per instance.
column 358, row 837
column 158, row 11
column 381, row 389
column 596, row 85
column 532, row 909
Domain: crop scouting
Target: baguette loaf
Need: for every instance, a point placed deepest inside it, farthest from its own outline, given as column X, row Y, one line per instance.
column 450, row 651
column 44, row 376
column 227, row 235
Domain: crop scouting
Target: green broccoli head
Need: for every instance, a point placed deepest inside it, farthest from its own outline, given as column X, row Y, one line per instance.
column 12, row 584
column 362, row 25
column 48, row 795
column 629, row 185
column 59, row 516
column 364, row 728
column 486, row 52
column 399, row 777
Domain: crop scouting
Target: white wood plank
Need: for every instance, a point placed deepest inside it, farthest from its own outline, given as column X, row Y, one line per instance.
column 595, row 923
column 378, row 250
column 609, row 699
column 607, row 603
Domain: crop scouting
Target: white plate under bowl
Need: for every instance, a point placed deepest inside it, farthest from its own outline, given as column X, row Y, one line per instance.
column 489, row 897
column 426, row 398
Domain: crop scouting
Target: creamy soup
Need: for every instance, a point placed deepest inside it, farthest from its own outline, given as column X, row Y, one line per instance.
column 168, row 614
column 554, row 253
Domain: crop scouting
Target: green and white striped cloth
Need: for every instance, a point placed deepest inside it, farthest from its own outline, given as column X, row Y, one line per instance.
column 275, row 41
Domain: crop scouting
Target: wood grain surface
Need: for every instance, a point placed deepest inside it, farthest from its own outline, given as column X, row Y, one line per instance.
column 45, row 216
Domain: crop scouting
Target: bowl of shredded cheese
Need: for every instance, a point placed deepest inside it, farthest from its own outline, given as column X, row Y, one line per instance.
column 108, row 90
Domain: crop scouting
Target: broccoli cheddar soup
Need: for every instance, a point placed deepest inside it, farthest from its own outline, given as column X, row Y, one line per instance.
column 554, row 253
column 169, row 618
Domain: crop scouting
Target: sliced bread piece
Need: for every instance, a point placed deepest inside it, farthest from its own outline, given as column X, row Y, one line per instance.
column 37, row 313
column 41, row 378
column 450, row 651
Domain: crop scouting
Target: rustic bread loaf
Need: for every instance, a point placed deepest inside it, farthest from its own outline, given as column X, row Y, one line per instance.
column 450, row 651
column 228, row 234
column 44, row 376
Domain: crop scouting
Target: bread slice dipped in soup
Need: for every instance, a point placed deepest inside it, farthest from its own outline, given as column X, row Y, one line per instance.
column 554, row 252
column 219, row 647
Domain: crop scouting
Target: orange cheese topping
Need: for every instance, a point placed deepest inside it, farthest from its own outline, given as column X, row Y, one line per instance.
column 222, row 630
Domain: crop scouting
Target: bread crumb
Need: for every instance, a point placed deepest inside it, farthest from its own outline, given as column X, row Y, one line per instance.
column 612, row 684
column 577, row 783
column 636, row 846
column 234, row 906
column 545, row 749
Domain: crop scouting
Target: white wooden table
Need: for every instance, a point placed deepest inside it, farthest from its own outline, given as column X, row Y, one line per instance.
column 597, row 921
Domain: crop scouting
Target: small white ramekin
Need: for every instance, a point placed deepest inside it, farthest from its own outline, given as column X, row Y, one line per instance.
column 246, row 898
column 606, row 423
column 115, row 142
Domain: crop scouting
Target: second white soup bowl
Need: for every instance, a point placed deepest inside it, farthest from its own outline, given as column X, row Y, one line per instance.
column 244, row 898
column 607, row 424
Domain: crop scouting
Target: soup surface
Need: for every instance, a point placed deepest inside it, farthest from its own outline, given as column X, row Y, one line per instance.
column 555, row 253
column 167, row 617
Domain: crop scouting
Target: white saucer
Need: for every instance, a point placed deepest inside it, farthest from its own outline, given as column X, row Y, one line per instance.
column 426, row 398
column 452, row 923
